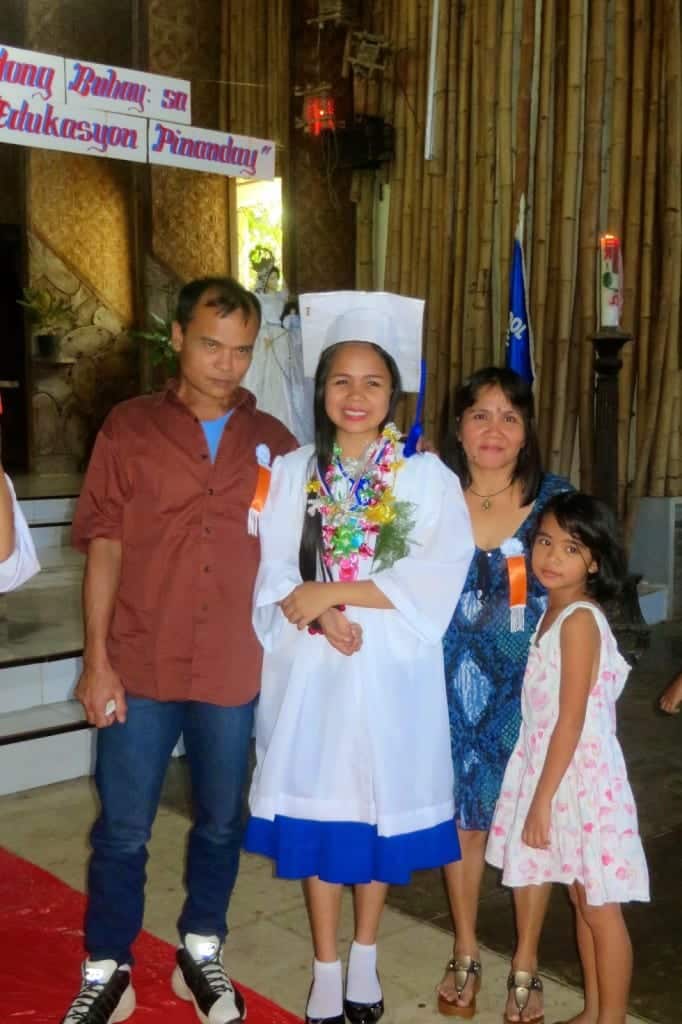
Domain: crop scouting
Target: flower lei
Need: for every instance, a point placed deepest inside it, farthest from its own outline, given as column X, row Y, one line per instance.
column 367, row 509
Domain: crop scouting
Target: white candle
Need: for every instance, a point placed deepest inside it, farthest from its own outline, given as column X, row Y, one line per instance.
column 610, row 281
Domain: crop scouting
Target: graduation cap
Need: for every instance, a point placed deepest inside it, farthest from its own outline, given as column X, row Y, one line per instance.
column 393, row 322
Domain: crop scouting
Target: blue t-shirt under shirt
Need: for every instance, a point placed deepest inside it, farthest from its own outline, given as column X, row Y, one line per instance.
column 213, row 431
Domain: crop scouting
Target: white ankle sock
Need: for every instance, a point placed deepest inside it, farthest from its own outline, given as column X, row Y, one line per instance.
column 362, row 982
column 326, row 995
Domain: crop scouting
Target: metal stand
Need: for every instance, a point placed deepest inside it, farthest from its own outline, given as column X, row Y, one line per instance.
column 607, row 363
column 623, row 612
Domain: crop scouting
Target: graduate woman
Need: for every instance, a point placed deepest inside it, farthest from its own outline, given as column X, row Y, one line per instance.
column 364, row 554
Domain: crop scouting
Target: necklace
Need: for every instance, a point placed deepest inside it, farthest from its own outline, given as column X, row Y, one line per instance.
column 487, row 503
column 361, row 517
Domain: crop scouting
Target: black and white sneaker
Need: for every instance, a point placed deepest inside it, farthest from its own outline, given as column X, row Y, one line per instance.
column 106, row 996
column 201, row 978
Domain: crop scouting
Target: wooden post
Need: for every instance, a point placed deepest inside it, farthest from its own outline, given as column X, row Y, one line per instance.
column 608, row 341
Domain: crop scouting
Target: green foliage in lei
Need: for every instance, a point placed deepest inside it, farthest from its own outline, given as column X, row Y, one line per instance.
column 393, row 540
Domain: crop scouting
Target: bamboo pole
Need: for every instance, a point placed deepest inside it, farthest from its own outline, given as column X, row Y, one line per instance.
column 568, row 436
column 420, row 255
column 443, row 217
column 632, row 236
column 480, row 326
column 362, row 192
column 673, row 481
column 644, row 330
column 447, row 23
column 408, row 211
column 504, row 182
column 664, row 355
column 473, row 200
column 396, row 212
column 542, row 192
column 589, row 220
column 461, row 175
column 617, row 177
column 673, row 214
column 556, row 178
column 524, row 104
column 570, row 203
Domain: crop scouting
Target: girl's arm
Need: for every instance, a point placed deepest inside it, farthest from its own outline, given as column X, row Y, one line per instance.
column 580, row 648
column 310, row 600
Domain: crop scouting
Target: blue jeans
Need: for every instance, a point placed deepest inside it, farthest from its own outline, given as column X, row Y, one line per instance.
column 131, row 764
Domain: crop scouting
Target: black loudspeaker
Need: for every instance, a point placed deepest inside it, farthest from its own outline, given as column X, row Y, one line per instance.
column 363, row 145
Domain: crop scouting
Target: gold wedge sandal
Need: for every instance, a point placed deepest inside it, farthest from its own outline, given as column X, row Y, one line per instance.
column 463, row 967
column 522, row 983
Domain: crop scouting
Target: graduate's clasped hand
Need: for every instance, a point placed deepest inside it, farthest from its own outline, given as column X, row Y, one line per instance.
column 310, row 602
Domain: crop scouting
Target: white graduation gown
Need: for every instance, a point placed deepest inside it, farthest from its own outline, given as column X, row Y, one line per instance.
column 363, row 738
column 22, row 563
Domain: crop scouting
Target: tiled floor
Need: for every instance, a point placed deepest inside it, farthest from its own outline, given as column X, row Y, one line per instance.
column 269, row 946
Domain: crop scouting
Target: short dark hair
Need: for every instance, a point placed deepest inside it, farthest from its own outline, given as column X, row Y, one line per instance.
column 519, row 393
column 591, row 522
column 226, row 295
column 310, row 551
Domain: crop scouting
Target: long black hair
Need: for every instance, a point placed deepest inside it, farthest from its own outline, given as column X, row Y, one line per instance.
column 310, row 550
column 592, row 523
column 519, row 394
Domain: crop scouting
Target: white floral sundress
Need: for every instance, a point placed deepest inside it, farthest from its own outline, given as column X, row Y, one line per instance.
column 594, row 837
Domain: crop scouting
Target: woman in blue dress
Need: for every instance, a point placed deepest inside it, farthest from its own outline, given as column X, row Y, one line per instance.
column 496, row 455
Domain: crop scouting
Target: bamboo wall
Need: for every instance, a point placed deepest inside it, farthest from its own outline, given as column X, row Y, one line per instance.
column 576, row 104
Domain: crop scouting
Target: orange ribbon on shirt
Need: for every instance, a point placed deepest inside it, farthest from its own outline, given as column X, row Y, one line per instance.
column 518, row 591
column 259, row 499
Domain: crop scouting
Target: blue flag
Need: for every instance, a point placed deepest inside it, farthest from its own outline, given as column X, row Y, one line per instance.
column 519, row 341
column 417, row 428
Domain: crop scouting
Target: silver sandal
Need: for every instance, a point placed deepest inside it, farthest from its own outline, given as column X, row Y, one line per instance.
column 463, row 967
column 522, row 983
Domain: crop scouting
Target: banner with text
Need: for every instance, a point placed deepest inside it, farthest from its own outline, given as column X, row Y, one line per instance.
column 198, row 149
column 79, row 106
column 120, row 90
column 25, row 74
column 53, row 126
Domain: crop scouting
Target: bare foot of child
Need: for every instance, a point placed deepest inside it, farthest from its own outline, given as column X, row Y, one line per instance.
column 672, row 697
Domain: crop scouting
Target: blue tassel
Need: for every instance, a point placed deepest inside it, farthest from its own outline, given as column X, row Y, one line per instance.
column 417, row 430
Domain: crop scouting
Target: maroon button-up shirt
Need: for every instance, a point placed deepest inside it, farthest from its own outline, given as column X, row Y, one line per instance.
column 181, row 626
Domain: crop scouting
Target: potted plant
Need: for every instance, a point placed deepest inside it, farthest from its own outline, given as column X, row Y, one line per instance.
column 50, row 315
column 158, row 340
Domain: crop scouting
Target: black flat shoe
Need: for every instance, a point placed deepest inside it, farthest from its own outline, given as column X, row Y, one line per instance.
column 363, row 1013
column 325, row 1020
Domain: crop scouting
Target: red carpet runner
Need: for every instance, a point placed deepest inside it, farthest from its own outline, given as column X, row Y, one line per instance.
column 41, row 949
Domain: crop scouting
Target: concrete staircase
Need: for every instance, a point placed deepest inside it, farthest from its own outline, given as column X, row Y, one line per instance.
column 43, row 735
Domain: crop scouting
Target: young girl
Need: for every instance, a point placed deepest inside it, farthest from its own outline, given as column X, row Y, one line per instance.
column 353, row 782
column 566, row 812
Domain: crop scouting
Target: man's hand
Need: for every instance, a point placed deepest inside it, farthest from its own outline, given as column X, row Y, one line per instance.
column 100, row 692
column 536, row 828
column 307, row 602
column 343, row 635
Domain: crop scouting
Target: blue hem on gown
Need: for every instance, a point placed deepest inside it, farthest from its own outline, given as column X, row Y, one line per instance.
column 349, row 852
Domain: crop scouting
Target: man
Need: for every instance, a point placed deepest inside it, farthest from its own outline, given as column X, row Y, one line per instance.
column 169, row 649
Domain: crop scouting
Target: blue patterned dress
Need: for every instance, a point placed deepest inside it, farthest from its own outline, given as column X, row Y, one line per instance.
column 484, row 667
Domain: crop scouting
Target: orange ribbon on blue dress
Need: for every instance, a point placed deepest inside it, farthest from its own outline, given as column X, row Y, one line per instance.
column 518, row 591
